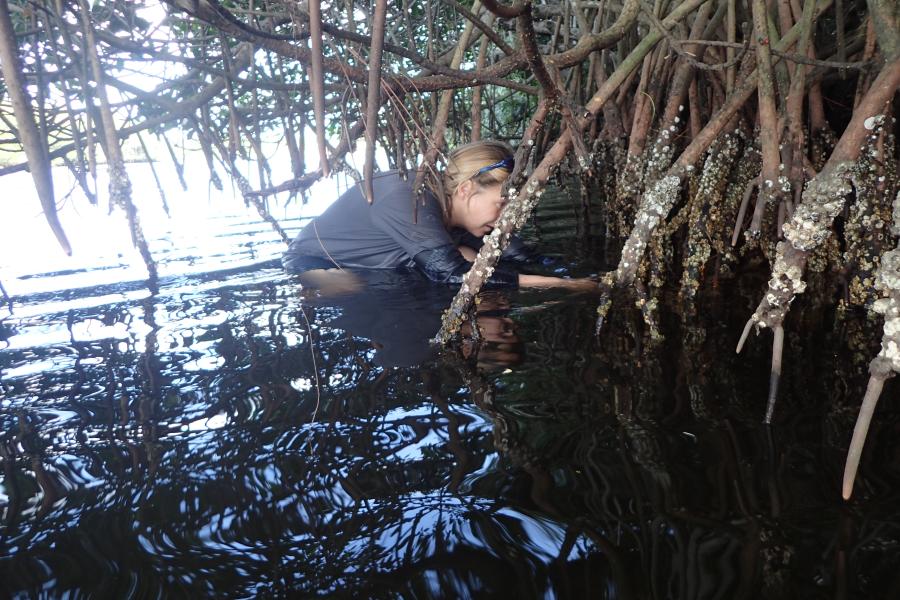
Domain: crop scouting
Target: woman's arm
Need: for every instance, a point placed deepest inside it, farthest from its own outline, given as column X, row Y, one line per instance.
column 584, row 284
column 539, row 280
column 446, row 264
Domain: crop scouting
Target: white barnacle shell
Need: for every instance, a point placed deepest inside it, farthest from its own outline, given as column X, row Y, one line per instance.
column 892, row 327
column 891, row 351
column 882, row 306
column 873, row 122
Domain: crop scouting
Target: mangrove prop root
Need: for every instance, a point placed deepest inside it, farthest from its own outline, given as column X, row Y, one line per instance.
column 867, row 225
column 821, row 202
column 119, row 183
column 887, row 363
column 860, row 432
column 657, row 202
column 649, row 308
column 374, row 91
column 775, row 374
column 439, row 125
column 317, row 82
column 742, row 212
column 34, row 145
column 259, row 204
column 706, row 214
column 769, row 190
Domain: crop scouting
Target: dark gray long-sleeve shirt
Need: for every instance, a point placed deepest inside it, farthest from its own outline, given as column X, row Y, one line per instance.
column 384, row 235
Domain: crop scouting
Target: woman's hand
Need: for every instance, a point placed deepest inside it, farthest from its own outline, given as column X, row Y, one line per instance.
column 583, row 285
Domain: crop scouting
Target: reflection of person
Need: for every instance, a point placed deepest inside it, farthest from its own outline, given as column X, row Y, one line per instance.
column 380, row 311
column 438, row 237
column 499, row 344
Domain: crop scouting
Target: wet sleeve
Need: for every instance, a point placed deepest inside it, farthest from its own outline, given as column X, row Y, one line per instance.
column 445, row 264
column 517, row 251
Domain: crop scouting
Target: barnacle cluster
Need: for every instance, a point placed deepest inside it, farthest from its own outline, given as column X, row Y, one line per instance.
column 705, row 212
column 888, row 281
column 823, row 200
column 655, row 204
column 822, row 142
column 866, row 231
column 119, row 185
column 120, row 195
column 609, row 159
column 744, row 171
column 784, row 284
column 629, row 185
column 661, row 155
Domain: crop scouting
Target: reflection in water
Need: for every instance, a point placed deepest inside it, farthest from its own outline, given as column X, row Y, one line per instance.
column 234, row 436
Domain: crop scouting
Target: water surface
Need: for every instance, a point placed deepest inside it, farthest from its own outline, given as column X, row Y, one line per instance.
column 237, row 436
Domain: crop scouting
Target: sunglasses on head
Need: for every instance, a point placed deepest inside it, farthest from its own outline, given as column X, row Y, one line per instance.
column 507, row 163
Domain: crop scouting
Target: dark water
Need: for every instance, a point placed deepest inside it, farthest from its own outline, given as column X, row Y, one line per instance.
column 230, row 437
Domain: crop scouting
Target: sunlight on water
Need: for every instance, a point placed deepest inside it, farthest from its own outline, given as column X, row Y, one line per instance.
column 206, row 230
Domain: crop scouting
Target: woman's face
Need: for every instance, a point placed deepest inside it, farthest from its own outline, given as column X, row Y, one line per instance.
column 476, row 208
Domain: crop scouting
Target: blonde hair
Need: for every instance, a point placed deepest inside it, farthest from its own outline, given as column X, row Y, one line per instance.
column 463, row 165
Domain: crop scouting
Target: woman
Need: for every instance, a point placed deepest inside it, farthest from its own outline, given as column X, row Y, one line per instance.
column 438, row 236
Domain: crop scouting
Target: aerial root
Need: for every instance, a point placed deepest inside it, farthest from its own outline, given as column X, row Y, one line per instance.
column 744, row 335
column 775, row 376
column 372, row 102
column 742, row 212
column 317, row 82
column 860, row 431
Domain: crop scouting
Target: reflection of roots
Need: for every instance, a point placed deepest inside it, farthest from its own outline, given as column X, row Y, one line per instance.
column 647, row 451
